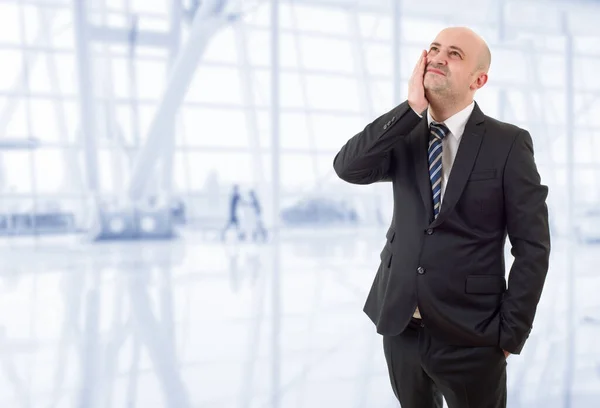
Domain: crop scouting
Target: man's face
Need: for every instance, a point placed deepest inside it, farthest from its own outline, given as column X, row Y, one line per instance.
column 451, row 63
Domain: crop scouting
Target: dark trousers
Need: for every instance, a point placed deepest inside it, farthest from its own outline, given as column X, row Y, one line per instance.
column 422, row 369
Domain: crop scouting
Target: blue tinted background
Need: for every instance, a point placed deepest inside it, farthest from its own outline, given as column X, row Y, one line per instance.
column 125, row 124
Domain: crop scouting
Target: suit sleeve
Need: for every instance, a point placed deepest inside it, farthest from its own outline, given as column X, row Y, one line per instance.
column 528, row 231
column 367, row 157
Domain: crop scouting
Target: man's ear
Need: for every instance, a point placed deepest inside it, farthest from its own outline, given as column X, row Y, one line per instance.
column 480, row 81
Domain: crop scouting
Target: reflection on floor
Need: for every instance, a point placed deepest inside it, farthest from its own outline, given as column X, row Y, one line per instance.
column 191, row 323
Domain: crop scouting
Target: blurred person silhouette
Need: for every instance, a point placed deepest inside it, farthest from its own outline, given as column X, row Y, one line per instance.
column 234, row 214
column 259, row 229
column 462, row 181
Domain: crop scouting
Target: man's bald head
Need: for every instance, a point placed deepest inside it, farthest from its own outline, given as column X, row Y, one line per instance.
column 485, row 58
column 476, row 44
column 461, row 59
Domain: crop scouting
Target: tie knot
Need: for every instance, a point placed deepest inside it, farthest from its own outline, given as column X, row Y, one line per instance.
column 438, row 130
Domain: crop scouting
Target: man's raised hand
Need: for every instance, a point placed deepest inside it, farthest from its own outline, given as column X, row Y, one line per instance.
column 416, row 90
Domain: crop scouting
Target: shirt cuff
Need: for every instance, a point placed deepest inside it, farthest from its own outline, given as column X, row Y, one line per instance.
column 417, row 113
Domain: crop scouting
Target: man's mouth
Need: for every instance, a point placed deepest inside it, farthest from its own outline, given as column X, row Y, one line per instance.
column 435, row 71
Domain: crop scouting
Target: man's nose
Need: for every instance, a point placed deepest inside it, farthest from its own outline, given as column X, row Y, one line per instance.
column 438, row 59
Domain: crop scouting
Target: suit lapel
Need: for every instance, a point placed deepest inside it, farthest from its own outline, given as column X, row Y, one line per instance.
column 463, row 163
column 419, row 154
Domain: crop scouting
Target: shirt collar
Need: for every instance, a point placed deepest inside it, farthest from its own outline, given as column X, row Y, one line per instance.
column 457, row 122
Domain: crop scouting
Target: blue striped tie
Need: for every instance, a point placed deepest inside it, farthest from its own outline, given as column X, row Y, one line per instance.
column 437, row 131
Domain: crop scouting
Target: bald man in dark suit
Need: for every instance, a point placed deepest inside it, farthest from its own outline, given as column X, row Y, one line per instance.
column 462, row 182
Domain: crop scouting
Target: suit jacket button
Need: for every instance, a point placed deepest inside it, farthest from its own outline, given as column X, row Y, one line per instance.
column 429, row 231
column 421, row 270
column 385, row 126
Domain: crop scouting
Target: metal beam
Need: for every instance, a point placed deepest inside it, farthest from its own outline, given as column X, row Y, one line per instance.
column 30, row 59
column 204, row 26
column 122, row 36
column 18, row 144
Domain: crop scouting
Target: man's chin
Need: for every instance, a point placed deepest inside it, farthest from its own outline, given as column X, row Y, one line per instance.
column 434, row 87
column 429, row 84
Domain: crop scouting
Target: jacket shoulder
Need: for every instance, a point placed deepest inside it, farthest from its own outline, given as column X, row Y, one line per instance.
column 502, row 132
column 503, row 128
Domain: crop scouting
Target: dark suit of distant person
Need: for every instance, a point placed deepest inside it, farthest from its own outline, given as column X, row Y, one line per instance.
column 440, row 298
column 234, row 208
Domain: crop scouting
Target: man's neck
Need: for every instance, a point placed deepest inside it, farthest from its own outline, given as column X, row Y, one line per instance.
column 443, row 109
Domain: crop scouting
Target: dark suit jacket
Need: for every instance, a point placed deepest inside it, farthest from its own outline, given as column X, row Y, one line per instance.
column 453, row 268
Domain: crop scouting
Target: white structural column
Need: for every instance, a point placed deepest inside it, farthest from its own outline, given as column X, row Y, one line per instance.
column 500, row 15
column 366, row 102
column 206, row 23
column 312, row 141
column 73, row 179
column 361, row 67
column 132, row 88
column 396, row 45
column 275, row 209
column 166, row 178
column 570, row 193
column 108, row 128
column 87, row 118
column 248, row 100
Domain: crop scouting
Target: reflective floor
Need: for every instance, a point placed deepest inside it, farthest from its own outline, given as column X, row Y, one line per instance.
column 195, row 323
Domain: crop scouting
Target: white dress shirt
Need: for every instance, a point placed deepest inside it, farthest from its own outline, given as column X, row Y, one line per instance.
column 456, row 125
